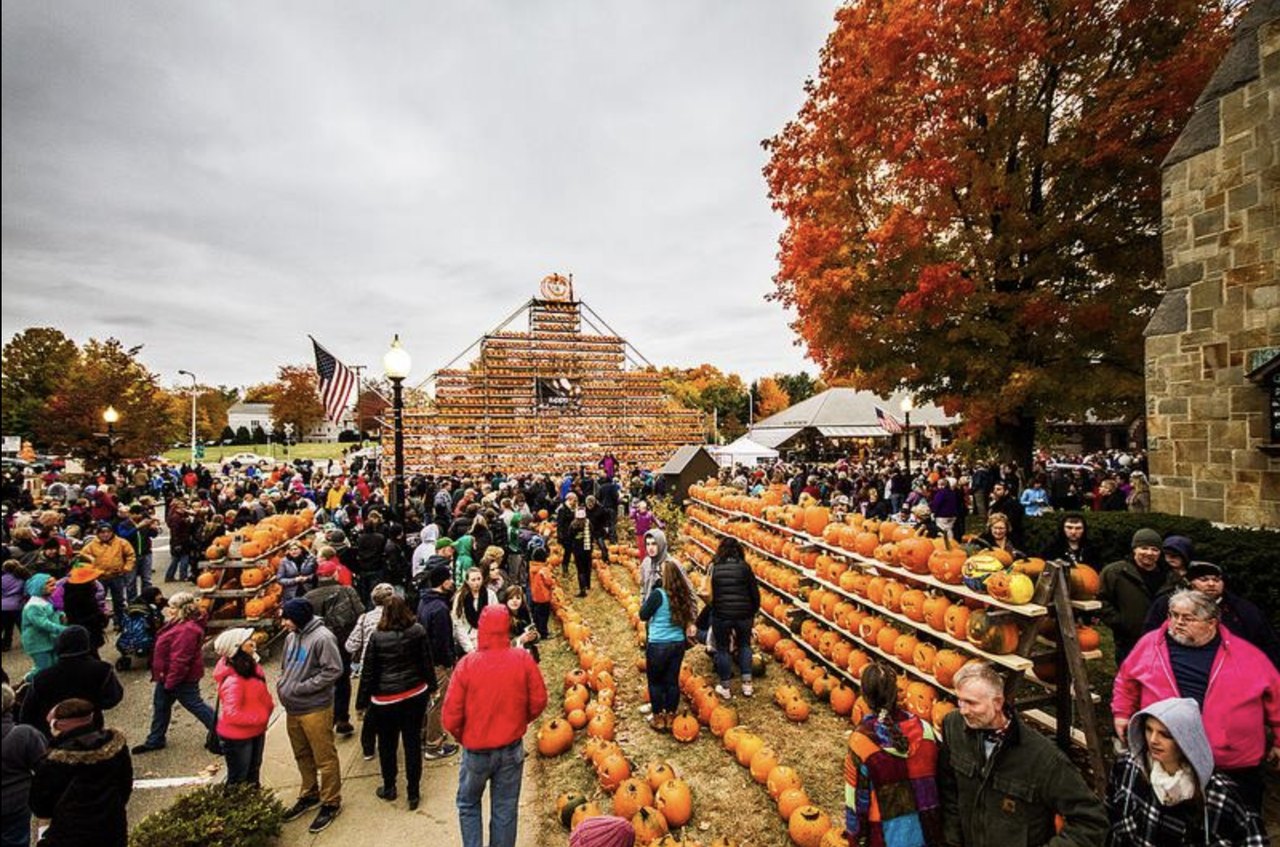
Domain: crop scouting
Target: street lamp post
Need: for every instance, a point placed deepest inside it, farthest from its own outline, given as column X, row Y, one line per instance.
column 194, row 392
column 395, row 364
column 111, row 416
column 907, row 405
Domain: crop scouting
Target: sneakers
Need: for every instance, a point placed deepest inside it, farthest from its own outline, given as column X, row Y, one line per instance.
column 323, row 818
column 300, row 808
column 344, row 728
column 444, row 751
column 723, row 692
column 369, row 754
column 413, row 804
column 747, row 690
column 645, row 708
column 385, row 793
column 139, row 749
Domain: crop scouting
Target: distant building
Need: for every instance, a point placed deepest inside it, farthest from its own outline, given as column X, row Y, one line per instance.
column 253, row 416
column 1213, row 343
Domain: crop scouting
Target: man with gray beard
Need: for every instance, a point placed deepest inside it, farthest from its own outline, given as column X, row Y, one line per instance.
column 1238, row 689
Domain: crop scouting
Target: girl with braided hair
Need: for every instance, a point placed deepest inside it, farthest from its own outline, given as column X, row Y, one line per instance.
column 891, row 796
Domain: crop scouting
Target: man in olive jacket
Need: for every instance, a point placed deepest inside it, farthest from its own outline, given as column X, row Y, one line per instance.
column 1001, row 782
column 1130, row 586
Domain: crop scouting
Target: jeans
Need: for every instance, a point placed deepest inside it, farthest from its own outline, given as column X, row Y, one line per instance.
column 15, row 829
column 662, row 670
column 721, row 628
column 186, row 693
column 401, row 722
column 311, row 737
column 116, row 587
column 141, row 573
column 502, row 769
column 179, row 567
column 244, row 758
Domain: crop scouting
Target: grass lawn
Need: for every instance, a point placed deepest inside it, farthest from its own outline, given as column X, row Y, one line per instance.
column 321, row 450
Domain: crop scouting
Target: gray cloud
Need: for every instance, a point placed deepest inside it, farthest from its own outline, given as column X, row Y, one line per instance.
column 217, row 180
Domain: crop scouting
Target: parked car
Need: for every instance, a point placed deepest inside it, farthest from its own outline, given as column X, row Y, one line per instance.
column 249, row 459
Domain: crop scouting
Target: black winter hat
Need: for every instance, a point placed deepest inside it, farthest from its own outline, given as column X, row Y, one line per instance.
column 439, row 575
column 72, row 641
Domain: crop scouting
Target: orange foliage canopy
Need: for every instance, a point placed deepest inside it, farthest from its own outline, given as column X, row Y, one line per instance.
column 972, row 198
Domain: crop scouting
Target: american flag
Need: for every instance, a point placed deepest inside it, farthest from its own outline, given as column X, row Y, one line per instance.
column 888, row 422
column 336, row 382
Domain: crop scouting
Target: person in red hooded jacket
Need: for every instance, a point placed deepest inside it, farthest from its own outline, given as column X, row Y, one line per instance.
column 244, row 704
column 494, row 694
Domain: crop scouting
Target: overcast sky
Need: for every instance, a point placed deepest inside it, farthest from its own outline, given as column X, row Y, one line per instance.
column 217, row 180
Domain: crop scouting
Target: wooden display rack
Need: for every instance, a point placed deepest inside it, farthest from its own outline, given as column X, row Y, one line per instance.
column 493, row 413
column 1072, row 699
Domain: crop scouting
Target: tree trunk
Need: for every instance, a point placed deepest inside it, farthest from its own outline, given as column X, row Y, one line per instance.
column 1016, row 438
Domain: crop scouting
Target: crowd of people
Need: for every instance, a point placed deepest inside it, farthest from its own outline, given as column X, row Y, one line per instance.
column 430, row 616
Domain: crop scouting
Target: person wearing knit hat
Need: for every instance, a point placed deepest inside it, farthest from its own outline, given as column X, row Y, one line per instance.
column 41, row 623
column 1130, row 586
column 604, row 831
column 298, row 612
column 244, row 704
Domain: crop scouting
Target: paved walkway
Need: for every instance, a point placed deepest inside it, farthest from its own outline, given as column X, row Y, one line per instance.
column 367, row 820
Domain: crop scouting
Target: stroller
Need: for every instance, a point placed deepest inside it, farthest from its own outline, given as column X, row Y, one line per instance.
column 138, row 635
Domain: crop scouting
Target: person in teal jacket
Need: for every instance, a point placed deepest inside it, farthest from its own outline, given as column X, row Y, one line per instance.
column 41, row 623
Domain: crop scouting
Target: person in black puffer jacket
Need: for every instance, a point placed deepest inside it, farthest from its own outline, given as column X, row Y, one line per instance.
column 83, row 785
column 396, row 681
column 735, row 599
column 76, row 674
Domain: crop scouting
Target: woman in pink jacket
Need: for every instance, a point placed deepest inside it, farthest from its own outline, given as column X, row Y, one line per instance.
column 244, row 704
column 1235, row 684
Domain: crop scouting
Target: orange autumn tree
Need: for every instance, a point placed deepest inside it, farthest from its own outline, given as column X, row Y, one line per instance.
column 771, row 397
column 972, row 200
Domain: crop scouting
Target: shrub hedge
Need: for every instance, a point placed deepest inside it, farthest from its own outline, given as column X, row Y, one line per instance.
column 214, row 816
column 1250, row 558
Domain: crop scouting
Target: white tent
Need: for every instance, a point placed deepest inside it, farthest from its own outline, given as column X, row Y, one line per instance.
column 744, row 451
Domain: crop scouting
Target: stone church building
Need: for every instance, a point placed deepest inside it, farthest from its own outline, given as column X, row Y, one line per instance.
column 1213, row 344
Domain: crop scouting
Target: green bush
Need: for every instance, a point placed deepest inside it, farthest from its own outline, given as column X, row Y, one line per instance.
column 214, row 816
column 1250, row 558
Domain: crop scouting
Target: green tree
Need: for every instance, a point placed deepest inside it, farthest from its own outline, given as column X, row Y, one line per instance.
column 799, row 386
column 36, row 361
column 972, row 200
column 722, row 396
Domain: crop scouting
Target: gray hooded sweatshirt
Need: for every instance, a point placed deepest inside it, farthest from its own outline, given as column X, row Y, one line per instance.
column 311, row 667
column 651, row 567
column 1182, row 716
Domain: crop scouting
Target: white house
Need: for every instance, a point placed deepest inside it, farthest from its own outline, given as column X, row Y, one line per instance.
column 258, row 415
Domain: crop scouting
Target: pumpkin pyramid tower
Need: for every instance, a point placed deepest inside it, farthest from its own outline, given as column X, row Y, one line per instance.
column 550, row 399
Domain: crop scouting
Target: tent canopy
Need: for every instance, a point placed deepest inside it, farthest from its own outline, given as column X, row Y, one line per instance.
column 743, row 451
column 844, row 413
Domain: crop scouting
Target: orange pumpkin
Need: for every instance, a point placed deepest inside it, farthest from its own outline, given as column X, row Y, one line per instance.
column 790, row 800
column 722, row 719
column 842, row 698
column 762, row 764
column 632, row 795
column 748, row 745
column 585, row 811
column 576, row 697
column 816, row 519
column 935, row 611
column 577, row 718
column 566, row 804
column 255, row 607
column 1085, row 582
column 675, row 801
column 957, row 621
column 797, row 710
column 657, row 773
column 947, row 565
column 914, row 554
column 612, row 769
column 649, row 824
column 946, row 664
column 1088, row 638
column 685, row 727
column 555, row 737
column 206, row 580
column 782, row 778
column 807, row 826
column 924, row 656
column 252, row 577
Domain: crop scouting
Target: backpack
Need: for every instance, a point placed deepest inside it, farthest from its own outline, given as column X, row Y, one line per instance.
column 340, row 612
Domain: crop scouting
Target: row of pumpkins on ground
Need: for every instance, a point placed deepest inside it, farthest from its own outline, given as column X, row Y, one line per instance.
column 654, row 803
column 990, row 571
